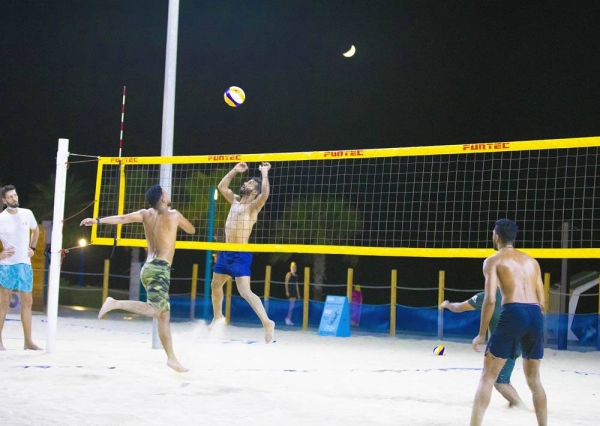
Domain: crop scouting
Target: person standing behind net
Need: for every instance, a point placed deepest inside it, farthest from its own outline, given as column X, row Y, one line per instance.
column 291, row 280
column 243, row 214
column 160, row 226
column 502, row 385
column 19, row 234
column 521, row 320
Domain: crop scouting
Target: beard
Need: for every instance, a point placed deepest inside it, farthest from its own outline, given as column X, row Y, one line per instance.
column 245, row 191
column 12, row 206
column 169, row 205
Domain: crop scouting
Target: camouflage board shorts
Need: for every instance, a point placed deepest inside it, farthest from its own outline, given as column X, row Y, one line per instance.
column 156, row 278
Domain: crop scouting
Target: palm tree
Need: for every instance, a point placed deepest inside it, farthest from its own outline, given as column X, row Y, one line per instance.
column 196, row 204
column 317, row 220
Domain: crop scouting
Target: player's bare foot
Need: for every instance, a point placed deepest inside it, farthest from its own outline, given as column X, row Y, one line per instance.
column 31, row 346
column 270, row 332
column 217, row 322
column 519, row 406
column 108, row 305
column 2, row 348
column 175, row 365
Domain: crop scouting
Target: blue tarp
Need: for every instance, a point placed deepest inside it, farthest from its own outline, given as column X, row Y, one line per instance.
column 376, row 319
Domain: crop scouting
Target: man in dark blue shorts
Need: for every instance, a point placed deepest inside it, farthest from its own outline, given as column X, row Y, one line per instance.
column 521, row 320
column 238, row 227
column 502, row 385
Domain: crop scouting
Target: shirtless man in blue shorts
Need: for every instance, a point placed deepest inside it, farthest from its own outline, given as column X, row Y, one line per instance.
column 502, row 385
column 160, row 226
column 238, row 227
column 521, row 321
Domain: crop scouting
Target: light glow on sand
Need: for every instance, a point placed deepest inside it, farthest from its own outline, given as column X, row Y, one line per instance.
column 105, row 373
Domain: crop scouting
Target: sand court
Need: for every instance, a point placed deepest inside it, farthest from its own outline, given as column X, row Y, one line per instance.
column 104, row 372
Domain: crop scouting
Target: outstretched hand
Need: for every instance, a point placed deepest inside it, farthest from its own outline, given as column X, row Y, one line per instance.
column 87, row 222
column 240, row 167
column 265, row 166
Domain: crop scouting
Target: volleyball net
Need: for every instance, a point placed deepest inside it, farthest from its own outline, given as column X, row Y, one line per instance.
column 438, row 201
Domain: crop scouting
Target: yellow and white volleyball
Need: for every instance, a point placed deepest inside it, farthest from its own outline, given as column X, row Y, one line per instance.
column 234, row 96
column 439, row 350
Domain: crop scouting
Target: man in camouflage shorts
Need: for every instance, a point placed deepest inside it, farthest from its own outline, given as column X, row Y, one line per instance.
column 160, row 226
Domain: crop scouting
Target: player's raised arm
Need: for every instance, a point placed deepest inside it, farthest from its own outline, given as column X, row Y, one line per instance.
column 185, row 224
column 265, row 189
column 224, row 184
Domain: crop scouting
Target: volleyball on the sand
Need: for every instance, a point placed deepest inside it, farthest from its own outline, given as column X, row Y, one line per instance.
column 234, row 96
column 439, row 350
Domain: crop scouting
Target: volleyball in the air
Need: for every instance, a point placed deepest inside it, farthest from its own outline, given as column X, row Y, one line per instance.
column 439, row 350
column 234, row 96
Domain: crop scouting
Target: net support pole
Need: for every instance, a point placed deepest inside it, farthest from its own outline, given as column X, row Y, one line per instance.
column 60, row 183
column 267, row 287
column 228, row 290
column 105, row 280
column 546, row 305
column 563, row 317
column 194, row 290
column 393, row 300
column 208, row 260
column 441, row 286
column 349, row 283
column 306, row 298
column 598, row 329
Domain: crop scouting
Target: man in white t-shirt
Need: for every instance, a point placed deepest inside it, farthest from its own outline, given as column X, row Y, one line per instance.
column 19, row 234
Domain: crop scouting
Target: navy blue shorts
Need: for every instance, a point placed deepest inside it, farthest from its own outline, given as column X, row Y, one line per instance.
column 520, row 324
column 234, row 263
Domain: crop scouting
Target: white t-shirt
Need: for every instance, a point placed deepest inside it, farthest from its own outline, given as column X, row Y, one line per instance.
column 15, row 232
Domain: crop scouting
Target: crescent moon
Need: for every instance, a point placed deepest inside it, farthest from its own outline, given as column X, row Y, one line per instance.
column 350, row 52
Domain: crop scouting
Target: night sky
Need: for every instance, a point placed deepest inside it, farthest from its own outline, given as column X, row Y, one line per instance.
column 424, row 73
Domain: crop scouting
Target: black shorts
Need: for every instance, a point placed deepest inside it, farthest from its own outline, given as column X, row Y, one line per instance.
column 520, row 324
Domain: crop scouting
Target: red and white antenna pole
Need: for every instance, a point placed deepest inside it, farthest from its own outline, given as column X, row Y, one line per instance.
column 122, row 121
column 120, row 168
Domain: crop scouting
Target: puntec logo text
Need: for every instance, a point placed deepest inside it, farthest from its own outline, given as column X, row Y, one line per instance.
column 494, row 146
column 351, row 153
column 224, row 157
column 126, row 160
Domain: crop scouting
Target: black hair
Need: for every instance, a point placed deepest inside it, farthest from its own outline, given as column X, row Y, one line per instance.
column 7, row 188
column 506, row 229
column 259, row 184
column 153, row 195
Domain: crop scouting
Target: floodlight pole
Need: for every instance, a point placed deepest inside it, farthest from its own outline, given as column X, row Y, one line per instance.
column 168, row 116
column 169, row 93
